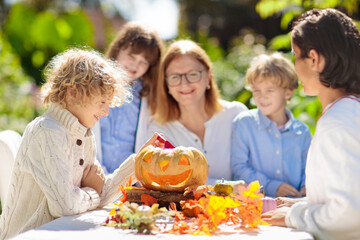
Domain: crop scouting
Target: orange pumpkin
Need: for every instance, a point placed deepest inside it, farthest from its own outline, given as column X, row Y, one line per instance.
column 171, row 170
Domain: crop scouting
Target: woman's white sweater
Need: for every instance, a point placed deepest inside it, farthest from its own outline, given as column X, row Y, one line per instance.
column 46, row 178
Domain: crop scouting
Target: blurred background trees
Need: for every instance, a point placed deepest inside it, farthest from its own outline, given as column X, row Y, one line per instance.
column 231, row 31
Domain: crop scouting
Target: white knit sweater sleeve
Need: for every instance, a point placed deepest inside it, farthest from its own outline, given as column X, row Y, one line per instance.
column 48, row 161
column 333, row 210
column 111, row 190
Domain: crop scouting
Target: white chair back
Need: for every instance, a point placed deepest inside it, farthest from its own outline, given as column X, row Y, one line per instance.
column 9, row 145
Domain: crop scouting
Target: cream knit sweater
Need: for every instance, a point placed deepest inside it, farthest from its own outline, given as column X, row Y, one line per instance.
column 46, row 179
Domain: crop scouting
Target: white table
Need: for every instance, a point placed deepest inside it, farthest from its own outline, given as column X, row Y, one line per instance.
column 89, row 226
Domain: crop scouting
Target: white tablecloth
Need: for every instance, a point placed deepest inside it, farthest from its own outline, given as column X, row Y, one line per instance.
column 89, row 226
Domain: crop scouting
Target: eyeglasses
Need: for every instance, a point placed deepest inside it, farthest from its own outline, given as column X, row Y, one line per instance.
column 191, row 77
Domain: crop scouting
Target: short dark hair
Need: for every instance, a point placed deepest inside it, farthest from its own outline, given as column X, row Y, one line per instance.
column 335, row 36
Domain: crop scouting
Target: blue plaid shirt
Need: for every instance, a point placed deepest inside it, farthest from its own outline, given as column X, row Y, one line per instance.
column 118, row 131
column 260, row 151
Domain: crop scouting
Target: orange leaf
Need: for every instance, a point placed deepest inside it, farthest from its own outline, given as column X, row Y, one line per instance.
column 179, row 216
column 128, row 184
column 148, row 200
column 124, row 196
column 173, row 206
column 180, row 227
column 197, row 194
column 191, row 208
column 199, row 191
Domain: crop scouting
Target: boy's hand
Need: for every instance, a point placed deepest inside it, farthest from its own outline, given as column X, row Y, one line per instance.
column 303, row 191
column 285, row 190
column 93, row 177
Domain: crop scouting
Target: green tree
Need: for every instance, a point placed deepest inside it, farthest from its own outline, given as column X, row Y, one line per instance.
column 37, row 35
column 31, row 35
column 290, row 9
column 18, row 103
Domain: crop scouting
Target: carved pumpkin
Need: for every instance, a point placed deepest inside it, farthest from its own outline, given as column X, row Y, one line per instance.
column 171, row 169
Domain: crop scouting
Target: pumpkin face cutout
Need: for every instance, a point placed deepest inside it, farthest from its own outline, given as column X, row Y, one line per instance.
column 171, row 170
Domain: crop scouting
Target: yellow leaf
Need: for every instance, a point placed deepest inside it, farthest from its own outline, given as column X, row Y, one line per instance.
column 230, row 203
column 112, row 211
column 253, row 190
column 254, row 186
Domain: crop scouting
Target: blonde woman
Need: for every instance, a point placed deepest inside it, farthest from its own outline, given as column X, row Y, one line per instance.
column 189, row 109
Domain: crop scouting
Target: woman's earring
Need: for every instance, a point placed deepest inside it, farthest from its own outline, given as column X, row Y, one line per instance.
column 208, row 87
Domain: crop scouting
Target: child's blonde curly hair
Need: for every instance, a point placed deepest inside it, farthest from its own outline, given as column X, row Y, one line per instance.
column 87, row 74
column 274, row 67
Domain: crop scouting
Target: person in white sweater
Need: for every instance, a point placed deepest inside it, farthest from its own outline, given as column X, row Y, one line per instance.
column 326, row 45
column 56, row 172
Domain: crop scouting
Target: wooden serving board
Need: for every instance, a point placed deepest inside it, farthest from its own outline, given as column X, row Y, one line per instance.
column 164, row 198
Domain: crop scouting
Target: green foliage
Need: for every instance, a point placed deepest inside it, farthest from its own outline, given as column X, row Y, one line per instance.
column 229, row 69
column 281, row 42
column 268, row 8
column 38, row 36
column 290, row 9
column 29, row 39
column 18, row 106
column 306, row 109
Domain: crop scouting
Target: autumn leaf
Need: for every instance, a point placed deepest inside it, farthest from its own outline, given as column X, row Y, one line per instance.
column 203, row 215
column 179, row 216
column 112, row 211
column 124, row 196
column 173, row 206
column 191, row 208
column 253, row 190
column 148, row 200
column 128, row 184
